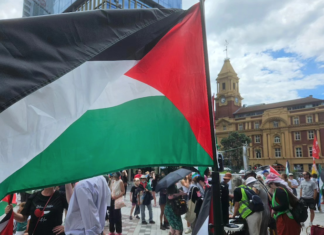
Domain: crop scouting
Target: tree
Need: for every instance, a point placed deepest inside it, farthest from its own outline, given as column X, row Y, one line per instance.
column 233, row 151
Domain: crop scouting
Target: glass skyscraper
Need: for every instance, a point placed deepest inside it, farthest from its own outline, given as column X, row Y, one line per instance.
column 47, row 7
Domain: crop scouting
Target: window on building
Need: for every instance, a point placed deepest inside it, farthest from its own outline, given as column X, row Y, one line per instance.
column 223, row 85
column 299, row 152
column 296, row 120
column 224, row 128
column 258, row 153
column 297, row 135
column 299, row 167
column 310, row 151
column 233, row 86
column 257, row 139
column 277, row 139
column 277, row 152
column 275, row 124
column 240, row 127
column 311, row 135
column 256, row 125
column 309, row 119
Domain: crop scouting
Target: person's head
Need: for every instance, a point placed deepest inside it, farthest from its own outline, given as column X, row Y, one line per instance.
column 259, row 177
column 147, row 173
column 207, row 172
column 162, row 174
column 249, row 173
column 194, row 176
column 139, row 171
column 201, row 181
column 123, row 173
column 136, row 181
column 314, row 176
column 265, row 173
column 143, row 179
column 284, row 177
column 116, row 176
column 306, row 175
column 237, row 181
column 250, row 181
column 227, row 177
column 291, row 176
column 21, row 206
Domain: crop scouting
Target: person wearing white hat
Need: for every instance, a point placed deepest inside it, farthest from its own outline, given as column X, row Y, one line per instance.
column 294, row 183
column 259, row 189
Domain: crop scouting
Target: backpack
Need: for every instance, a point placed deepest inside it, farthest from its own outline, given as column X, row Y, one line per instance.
column 256, row 203
column 299, row 211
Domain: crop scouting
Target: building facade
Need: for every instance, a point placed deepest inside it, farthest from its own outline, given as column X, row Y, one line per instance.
column 279, row 131
column 47, row 7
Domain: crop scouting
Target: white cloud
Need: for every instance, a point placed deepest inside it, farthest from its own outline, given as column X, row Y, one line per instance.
column 11, row 9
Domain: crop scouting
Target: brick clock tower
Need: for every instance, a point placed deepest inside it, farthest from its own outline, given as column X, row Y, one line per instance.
column 228, row 98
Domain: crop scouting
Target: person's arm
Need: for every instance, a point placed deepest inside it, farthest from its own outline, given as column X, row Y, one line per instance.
column 68, row 192
column 131, row 195
column 315, row 193
column 122, row 190
column 236, row 208
column 17, row 216
column 125, row 173
column 89, row 212
column 184, row 183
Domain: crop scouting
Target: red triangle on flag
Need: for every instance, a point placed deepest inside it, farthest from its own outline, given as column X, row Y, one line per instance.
column 273, row 170
column 8, row 199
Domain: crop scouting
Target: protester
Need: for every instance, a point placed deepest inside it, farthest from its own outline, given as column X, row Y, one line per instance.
column 294, row 183
column 265, row 173
column 308, row 192
column 144, row 197
column 133, row 199
column 196, row 194
column 261, row 191
column 21, row 228
column 284, row 177
column 225, row 197
column 318, row 205
column 87, row 207
column 260, row 178
column 281, row 200
column 175, row 221
column 185, row 183
column 162, row 203
column 248, row 174
column 206, row 175
column 117, row 191
column 153, row 185
column 139, row 174
column 253, row 219
column 45, row 209
column 124, row 178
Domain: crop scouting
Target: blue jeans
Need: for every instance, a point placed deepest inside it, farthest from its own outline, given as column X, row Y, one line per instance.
column 149, row 207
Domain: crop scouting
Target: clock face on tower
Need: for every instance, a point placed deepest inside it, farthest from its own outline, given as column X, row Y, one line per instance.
column 223, row 100
column 236, row 100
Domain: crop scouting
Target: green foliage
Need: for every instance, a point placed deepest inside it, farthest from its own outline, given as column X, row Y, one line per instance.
column 232, row 145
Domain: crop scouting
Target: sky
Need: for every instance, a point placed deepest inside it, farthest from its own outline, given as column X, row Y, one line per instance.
column 275, row 47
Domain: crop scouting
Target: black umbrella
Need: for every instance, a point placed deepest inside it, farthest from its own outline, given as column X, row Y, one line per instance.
column 172, row 178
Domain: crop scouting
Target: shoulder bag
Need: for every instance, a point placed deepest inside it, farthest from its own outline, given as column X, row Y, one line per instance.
column 191, row 215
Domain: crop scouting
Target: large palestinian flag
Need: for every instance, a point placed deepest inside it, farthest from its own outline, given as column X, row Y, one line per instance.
column 83, row 94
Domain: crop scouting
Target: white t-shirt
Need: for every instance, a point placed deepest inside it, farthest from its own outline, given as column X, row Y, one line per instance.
column 293, row 182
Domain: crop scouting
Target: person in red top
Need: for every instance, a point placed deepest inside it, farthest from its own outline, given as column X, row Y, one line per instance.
column 138, row 175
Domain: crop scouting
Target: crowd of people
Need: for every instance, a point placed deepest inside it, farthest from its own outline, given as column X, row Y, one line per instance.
column 91, row 204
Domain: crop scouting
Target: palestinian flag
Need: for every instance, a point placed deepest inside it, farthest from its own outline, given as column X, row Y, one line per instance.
column 6, row 224
column 83, row 94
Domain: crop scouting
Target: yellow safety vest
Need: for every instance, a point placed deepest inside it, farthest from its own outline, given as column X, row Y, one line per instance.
column 274, row 203
column 244, row 210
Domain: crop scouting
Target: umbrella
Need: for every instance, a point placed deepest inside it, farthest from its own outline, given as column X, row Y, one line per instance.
column 172, row 178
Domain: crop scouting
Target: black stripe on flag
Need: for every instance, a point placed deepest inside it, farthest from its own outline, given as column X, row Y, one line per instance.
column 203, row 214
column 36, row 51
column 4, row 222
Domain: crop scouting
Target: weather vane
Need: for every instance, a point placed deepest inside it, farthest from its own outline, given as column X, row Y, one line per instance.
column 226, row 44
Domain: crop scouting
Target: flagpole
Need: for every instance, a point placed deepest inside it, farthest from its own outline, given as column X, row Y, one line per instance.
column 217, row 209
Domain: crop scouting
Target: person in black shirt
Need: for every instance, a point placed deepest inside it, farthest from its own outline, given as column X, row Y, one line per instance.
column 50, row 218
column 125, row 180
column 225, row 197
column 133, row 199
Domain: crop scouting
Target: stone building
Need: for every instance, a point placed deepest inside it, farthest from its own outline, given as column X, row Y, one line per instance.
column 279, row 131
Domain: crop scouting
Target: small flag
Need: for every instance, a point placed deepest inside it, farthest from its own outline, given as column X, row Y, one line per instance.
column 6, row 224
column 287, row 167
column 10, row 199
column 272, row 170
column 316, row 150
column 314, row 168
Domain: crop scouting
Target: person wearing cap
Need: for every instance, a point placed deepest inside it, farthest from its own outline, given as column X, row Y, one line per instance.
column 281, row 200
column 144, row 197
column 294, row 183
column 117, row 190
column 261, row 191
column 225, row 197
column 265, row 173
column 241, row 200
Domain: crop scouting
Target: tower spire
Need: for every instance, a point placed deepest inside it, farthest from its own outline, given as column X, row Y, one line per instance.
column 226, row 50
